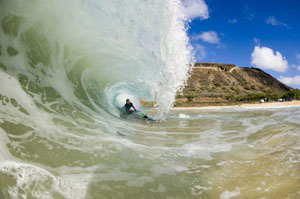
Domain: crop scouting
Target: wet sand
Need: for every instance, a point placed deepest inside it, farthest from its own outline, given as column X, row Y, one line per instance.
column 253, row 105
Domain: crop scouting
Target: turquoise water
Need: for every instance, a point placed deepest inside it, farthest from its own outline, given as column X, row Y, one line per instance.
column 66, row 67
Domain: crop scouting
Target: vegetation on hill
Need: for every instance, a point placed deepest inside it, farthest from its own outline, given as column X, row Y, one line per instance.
column 222, row 84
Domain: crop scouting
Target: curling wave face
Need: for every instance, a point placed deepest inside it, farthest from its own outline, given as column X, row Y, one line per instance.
column 65, row 69
column 88, row 52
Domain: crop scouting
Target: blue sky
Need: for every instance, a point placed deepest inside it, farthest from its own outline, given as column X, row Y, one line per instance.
column 259, row 33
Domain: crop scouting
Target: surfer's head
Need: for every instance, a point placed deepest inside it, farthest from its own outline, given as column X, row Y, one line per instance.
column 127, row 101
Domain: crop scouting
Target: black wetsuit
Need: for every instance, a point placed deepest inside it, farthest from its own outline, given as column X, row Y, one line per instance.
column 128, row 107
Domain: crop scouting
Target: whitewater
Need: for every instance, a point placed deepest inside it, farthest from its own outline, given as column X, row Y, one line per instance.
column 66, row 69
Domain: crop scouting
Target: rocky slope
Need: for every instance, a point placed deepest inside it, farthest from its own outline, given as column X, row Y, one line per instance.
column 218, row 84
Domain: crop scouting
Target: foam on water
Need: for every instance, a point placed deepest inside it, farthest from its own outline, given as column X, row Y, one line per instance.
column 32, row 181
column 230, row 194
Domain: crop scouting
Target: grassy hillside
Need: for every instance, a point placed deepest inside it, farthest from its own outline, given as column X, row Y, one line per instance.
column 221, row 84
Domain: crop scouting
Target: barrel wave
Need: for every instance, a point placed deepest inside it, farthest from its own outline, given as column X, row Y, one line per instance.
column 67, row 68
column 87, row 52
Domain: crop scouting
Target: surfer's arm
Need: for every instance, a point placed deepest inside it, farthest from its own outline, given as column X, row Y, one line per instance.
column 133, row 107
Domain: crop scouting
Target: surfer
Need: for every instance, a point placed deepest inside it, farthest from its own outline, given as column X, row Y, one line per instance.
column 128, row 106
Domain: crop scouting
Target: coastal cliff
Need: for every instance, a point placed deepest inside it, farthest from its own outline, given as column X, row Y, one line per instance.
column 223, row 84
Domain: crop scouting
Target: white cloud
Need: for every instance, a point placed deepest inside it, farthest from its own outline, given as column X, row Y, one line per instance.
column 232, row 20
column 264, row 57
column 195, row 9
column 294, row 66
column 290, row 80
column 200, row 52
column 209, row 37
column 273, row 21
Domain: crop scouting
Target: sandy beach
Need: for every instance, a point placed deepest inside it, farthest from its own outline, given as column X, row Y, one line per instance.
column 253, row 105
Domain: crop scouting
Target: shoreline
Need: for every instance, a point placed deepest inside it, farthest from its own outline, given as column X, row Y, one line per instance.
column 294, row 103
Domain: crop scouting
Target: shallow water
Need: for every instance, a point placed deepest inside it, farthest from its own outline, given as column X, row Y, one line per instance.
column 193, row 154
